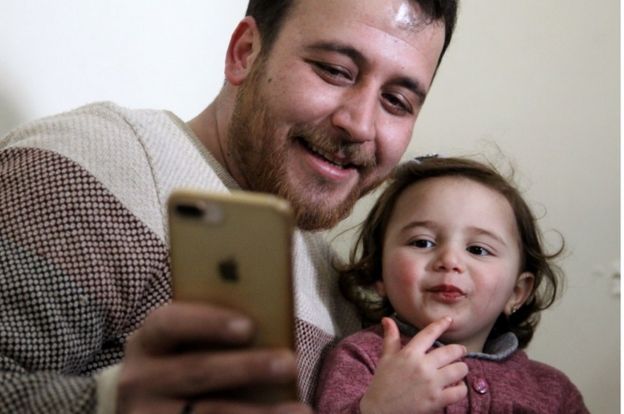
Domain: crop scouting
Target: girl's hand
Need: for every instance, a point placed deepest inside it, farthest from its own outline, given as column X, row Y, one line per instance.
column 412, row 380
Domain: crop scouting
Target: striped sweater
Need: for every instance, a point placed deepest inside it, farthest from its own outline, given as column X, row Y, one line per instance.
column 84, row 252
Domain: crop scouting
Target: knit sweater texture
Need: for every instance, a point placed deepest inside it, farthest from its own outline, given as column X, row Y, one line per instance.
column 513, row 384
column 84, row 252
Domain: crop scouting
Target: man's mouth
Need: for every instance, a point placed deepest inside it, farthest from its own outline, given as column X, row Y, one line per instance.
column 328, row 156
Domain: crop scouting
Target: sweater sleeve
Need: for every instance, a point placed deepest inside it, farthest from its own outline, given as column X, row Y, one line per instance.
column 345, row 376
column 572, row 400
column 78, row 273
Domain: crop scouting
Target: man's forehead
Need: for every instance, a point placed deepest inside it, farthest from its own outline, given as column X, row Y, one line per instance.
column 409, row 16
column 391, row 33
column 403, row 18
column 404, row 14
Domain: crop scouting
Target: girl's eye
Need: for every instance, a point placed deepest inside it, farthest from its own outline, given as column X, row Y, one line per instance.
column 422, row 243
column 479, row 251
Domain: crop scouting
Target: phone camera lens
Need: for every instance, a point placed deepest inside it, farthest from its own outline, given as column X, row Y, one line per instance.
column 213, row 213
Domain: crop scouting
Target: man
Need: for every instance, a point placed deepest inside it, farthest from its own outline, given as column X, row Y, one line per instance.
column 318, row 106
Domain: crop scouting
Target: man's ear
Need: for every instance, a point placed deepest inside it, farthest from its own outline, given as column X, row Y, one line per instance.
column 521, row 292
column 242, row 51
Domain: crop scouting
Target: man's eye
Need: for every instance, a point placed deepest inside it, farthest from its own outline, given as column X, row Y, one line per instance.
column 479, row 251
column 396, row 104
column 422, row 243
column 332, row 72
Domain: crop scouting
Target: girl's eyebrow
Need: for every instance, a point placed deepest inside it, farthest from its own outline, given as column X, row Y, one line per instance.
column 481, row 231
column 419, row 223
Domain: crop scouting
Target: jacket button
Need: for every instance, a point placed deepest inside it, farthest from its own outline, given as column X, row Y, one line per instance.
column 480, row 385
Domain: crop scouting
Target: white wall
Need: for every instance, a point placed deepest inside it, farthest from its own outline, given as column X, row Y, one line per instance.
column 539, row 78
column 140, row 53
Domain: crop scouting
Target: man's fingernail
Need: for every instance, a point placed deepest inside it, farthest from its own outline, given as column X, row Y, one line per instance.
column 290, row 409
column 239, row 326
column 283, row 366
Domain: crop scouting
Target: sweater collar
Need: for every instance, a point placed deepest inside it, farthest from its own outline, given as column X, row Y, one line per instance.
column 215, row 165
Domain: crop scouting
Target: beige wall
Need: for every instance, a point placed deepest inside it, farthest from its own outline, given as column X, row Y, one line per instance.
column 539, row 78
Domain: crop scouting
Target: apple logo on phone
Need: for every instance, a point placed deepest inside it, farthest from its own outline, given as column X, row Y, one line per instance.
column 228, row 270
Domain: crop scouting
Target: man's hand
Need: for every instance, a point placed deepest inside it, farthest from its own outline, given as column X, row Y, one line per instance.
column 192, row 352
column 412, row 380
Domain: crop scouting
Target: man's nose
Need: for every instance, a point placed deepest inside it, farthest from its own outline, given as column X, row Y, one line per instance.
column 356, row 114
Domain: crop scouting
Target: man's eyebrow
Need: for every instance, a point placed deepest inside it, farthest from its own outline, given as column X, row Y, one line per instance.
column 341, row 48
column 410, row 84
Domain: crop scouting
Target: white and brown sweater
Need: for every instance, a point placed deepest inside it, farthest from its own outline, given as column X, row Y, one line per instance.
column 84, row 252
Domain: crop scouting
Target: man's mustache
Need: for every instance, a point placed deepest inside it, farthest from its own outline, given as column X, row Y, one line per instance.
column 337, row 144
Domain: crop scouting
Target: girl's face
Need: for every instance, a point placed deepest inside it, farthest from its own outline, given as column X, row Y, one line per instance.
column 452, row 248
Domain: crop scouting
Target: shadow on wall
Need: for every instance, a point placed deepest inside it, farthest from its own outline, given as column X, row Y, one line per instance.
column 11, row 115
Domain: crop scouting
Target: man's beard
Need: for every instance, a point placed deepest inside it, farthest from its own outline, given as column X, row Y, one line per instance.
column 262, row 158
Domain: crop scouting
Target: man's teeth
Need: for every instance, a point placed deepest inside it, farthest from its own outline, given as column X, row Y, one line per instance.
column 325, row 156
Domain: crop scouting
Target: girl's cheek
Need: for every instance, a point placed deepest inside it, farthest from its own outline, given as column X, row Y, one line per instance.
column 404, row 271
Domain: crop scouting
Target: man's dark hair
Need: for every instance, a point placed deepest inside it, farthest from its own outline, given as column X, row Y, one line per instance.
column 271, row 14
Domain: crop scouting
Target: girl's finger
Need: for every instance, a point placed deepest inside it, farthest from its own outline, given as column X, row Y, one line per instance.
column 392, row 339
column 446, row 354
column 424, row 339
column 452, row 394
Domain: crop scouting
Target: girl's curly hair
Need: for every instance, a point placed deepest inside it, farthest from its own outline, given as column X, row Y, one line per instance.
column 358, row 277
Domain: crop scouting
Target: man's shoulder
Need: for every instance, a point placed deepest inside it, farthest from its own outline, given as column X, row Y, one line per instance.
column 105, row 120
column 107, row 111
column 114, row 145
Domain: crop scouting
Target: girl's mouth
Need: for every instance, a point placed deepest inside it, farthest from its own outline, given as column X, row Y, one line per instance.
column 447, row 293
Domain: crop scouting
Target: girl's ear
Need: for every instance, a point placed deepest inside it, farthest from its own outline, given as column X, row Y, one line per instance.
column 380, row 288
column 521, row 292
column 242, row 51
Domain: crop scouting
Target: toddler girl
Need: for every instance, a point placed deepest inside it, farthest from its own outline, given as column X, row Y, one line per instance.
column 452, row 252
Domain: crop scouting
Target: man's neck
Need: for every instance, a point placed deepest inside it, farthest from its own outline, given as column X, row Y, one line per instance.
column 206, row 127
column 211, row 127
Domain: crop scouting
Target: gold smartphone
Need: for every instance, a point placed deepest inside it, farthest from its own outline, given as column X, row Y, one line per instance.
column 235, row 250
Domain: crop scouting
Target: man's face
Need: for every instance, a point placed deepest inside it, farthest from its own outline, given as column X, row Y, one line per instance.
column 329, row 112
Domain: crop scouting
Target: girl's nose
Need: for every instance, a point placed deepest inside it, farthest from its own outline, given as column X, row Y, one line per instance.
column 449, row 260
